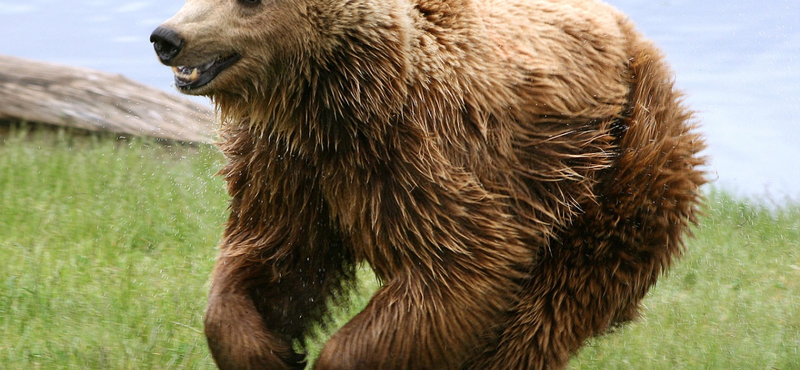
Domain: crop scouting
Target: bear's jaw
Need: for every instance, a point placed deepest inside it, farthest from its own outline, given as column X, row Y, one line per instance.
column 193, row 77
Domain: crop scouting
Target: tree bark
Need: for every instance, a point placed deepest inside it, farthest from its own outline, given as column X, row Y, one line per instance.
column 82, row 98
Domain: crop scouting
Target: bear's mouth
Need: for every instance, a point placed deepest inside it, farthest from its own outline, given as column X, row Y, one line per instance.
column 193, row 77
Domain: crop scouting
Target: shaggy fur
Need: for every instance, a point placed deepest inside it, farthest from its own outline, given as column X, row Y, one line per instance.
column 517, row 173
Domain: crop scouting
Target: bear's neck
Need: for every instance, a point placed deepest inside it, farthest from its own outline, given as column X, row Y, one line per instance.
column 350, row 90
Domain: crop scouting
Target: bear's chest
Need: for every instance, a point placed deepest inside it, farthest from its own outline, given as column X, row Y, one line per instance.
column 372, row 211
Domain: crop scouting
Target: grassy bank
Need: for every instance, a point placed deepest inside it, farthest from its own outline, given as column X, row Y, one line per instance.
column 106, row 248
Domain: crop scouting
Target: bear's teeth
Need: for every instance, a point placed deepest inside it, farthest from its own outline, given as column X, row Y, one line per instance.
column 181, row 72
column 195, row 74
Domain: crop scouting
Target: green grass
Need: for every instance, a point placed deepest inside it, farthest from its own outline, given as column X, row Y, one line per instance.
column 106, row 248
column 733, row 302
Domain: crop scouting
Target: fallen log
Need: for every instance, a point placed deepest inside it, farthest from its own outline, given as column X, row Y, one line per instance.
column 86, row 99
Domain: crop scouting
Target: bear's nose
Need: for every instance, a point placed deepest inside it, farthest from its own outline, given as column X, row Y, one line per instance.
column 167, row 43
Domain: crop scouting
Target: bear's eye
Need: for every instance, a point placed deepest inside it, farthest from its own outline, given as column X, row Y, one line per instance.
column 249, row 2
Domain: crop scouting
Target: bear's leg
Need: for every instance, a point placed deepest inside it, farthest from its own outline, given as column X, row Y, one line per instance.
column 238, row 335
column 597, row 274
column 409, row 326
column 281, row 258
column 253, row 316
column 259, row 306
column 571, row 298
column 452, row 264
column 603, row 265
column 447, row 288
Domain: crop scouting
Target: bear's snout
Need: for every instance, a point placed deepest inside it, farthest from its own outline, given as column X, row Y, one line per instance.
column 167, row 43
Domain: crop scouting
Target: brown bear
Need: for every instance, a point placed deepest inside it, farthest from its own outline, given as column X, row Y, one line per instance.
column 517, row 173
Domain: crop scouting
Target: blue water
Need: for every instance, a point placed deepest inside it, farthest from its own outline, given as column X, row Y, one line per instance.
column 738, row 61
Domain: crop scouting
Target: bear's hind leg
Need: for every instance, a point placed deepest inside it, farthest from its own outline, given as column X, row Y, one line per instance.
column 595, row 275
column 572, row 298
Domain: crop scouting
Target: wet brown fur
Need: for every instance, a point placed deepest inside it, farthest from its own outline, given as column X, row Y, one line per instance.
column 517, row 173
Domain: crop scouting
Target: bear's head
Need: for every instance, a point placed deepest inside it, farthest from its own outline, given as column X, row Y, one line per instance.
column 225, row 46
column 217, row 44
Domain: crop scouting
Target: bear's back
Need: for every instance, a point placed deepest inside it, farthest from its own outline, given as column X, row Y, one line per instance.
column 567, row 57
